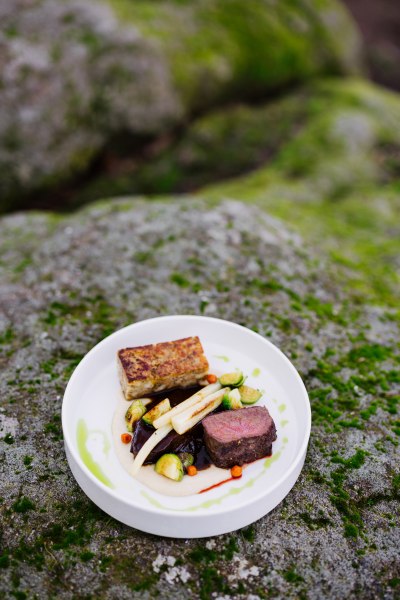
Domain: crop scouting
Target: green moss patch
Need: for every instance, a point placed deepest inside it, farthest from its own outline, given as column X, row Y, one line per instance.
column 23, row 505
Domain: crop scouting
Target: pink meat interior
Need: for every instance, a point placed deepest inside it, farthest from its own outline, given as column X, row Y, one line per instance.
column 236, row 424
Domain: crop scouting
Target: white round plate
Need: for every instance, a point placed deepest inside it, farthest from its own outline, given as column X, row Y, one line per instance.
column 92, row 395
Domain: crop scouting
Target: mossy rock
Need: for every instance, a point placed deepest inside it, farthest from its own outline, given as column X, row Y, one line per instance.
column 313, row 133
column 66, row 282
column 79, row 74
column 216, row 146
column 326, row 159
column 337, row 183
column 219, row 49
column 337, row 134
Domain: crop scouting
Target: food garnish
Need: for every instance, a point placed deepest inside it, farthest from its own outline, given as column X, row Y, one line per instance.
column 232, row 379
column 249, row 395
column 126, row 438
column 236, row 471
column 186, row 458
column 170, row 466
column 148, row 446
column 160, row 409
column 135, row 412
column 211, row 378
column 231, row 400
column 197, row 397
column 186, row 419
column 191, row 470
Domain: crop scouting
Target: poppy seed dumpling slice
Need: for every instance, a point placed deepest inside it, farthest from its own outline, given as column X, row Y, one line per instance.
column 235, row 437
column 156, row 367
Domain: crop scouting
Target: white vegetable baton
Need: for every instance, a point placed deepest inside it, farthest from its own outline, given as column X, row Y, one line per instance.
column 197, row 397
column 148, row 446
column 193, row 410
column 186, row 419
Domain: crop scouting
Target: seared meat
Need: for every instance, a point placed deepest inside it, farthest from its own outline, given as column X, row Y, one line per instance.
column 241, row 436
column 144, row 370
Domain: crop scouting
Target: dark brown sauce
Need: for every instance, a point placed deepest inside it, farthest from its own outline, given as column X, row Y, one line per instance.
column 175, row 395
column 202, row 460
column 192, row 441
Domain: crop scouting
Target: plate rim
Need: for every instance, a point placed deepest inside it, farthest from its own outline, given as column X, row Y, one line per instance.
column 131, row 503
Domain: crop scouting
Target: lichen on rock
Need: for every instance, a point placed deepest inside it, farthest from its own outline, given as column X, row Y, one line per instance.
column 69, row 281
column 287, row 223
column 77, row 74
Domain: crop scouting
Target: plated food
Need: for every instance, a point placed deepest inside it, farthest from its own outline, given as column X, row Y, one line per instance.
column 182, row 419
column 240, row 436
column 93, row 419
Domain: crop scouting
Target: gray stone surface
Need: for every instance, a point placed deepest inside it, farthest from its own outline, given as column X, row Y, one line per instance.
column 67, row 282
column 68, row 82
column 76, row 73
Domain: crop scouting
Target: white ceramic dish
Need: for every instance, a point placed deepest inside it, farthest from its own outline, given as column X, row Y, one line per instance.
column 87, row 413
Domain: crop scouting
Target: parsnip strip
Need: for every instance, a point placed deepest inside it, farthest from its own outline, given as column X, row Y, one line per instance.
column 197, row 397
column 190, row 417
column 151, row 443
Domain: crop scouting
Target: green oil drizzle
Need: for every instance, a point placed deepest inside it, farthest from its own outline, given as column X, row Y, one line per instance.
column 82, row 435
column 222, row 357
column 152, row 500
column 256, row 372
column 284, row 422
column 282, row 407
column 106, row 441
column 271, row 459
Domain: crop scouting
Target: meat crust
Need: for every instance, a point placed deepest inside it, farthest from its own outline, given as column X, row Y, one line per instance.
column 241, row 436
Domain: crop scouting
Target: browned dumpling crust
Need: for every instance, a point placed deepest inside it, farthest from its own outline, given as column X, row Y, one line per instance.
column 145, row 370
